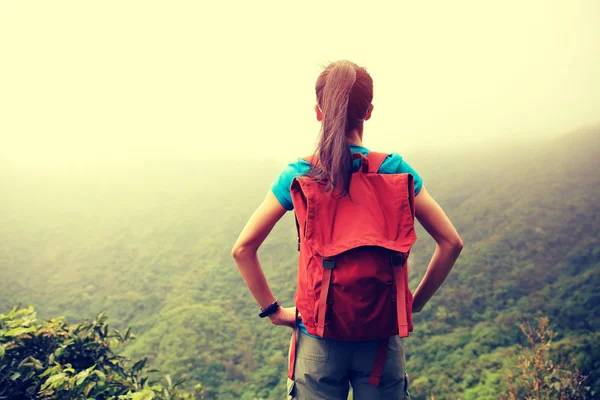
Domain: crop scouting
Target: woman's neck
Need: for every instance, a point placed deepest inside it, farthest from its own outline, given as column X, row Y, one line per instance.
column 355, row 137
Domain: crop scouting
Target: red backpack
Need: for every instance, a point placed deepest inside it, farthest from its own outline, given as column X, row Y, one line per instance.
column 352, row 269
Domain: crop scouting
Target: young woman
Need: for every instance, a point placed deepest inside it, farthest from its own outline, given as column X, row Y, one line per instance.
column 324, row 368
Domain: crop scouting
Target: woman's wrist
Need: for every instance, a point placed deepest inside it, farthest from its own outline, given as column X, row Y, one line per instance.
column 417, row 307
column 275, row 316
column 269, row 310
column 418, row 301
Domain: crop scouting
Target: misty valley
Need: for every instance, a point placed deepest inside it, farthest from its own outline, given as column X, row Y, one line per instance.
column 151, row 247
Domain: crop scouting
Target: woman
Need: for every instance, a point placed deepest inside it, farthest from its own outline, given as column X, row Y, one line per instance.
column 325, row 368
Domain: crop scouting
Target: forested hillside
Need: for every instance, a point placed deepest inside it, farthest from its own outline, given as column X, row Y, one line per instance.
column 150, row 243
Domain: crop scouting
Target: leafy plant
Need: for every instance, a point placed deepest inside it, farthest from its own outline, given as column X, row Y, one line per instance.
column 537, row 376
column 55, row 360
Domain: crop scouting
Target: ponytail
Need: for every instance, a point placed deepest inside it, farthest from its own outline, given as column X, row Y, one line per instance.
column 333, row 152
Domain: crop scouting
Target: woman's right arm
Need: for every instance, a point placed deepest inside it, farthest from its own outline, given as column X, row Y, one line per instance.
column 448, row 247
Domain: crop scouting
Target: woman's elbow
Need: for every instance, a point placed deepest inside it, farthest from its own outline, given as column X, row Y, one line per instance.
column 240, row 252
column 237, row 251
column 454, row 245
column 457, row 244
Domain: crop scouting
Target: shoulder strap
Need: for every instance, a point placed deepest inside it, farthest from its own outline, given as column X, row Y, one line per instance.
column 375, row 161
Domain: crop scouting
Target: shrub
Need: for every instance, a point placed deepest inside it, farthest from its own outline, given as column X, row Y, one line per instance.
column 54, row 359
column 536, row 376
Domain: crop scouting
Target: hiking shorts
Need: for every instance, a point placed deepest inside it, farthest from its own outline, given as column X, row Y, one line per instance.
column 325, row 369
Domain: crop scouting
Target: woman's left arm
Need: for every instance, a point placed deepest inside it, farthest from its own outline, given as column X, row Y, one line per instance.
column 245, row 251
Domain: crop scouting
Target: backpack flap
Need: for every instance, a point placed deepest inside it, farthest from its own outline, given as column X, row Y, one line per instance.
column 379, row 211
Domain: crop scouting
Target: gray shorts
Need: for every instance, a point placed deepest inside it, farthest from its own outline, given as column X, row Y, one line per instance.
column 325, row 369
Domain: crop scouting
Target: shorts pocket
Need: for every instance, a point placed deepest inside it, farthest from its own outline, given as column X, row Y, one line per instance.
column 396, row 346
column 312, row 349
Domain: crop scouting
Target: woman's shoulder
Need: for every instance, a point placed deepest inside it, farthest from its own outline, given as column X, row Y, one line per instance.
column 281, row 185
column 396, row 164
column 299, row 167
column 393, row 164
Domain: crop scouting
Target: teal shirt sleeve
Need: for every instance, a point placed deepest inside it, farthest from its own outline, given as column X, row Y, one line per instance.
column 281, row 185
column 395, row 164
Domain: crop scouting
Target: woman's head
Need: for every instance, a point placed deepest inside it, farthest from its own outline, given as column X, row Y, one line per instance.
column 344, row 94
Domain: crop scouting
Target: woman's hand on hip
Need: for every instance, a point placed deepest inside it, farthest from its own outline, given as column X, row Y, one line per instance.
column 285, row 317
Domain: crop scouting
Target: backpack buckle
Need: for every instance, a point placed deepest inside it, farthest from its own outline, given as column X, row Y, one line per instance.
column 328, row 262
column 397, row 259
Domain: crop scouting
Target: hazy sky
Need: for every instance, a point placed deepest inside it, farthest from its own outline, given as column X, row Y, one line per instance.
column 116, row 79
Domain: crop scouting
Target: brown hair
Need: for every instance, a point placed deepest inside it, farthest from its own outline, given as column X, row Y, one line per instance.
column 344, row 95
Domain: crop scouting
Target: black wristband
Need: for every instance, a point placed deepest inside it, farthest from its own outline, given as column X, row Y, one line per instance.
column 265, row 312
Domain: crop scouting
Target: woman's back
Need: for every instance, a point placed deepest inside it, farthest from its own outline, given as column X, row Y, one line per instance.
column 324, row 368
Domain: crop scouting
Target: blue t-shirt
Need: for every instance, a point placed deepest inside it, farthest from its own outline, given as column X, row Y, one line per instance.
column 393, row 164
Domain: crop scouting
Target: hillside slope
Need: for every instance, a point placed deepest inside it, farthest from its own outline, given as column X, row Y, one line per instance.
column 530, row 220
column 152, row 247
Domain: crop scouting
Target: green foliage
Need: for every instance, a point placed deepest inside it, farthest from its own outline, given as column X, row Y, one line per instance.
column 153, row 249
column 537, row 376
column 54, row 360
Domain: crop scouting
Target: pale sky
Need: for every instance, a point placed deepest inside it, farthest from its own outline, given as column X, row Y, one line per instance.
column 121, row 79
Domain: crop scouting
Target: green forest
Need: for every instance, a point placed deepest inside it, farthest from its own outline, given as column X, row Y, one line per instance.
column 149, row 243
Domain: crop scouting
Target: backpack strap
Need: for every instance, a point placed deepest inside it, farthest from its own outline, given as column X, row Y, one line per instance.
column 375, row 161
column 382, row 348
column 297, row 229
column 293, row 346
column 308, row 159
column 400, row 281
column 400, row 274
column 328, row 265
